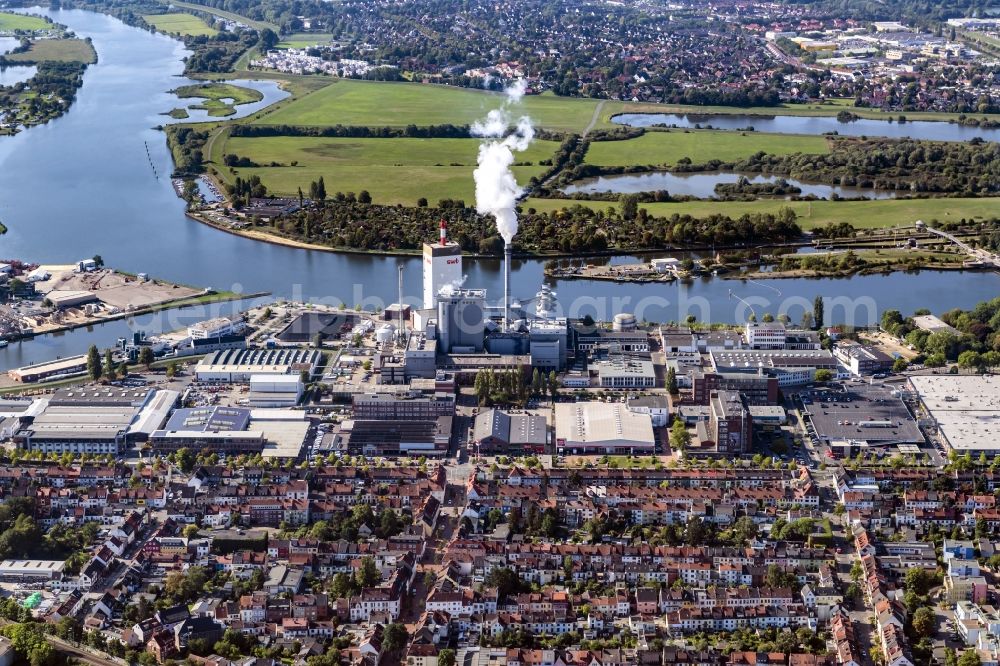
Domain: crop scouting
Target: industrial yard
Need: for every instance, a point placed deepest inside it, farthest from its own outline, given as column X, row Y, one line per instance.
column 48, row 298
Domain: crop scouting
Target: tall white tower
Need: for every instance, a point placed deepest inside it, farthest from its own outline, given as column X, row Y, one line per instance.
column 442, row 266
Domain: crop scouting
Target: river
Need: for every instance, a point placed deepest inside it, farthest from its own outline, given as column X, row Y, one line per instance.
column 82, row 185
column 919, row 129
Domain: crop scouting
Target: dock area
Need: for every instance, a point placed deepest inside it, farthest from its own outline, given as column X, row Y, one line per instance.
column 656, row 270
column 50, row 298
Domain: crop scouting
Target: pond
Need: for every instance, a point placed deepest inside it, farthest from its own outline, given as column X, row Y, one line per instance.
column 271, row 91
column 8, row 43
column 916, row 129
column 702, row 185
column 10, row 76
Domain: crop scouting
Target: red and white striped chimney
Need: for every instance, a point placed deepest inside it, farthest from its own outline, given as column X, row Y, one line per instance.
column 444, row 232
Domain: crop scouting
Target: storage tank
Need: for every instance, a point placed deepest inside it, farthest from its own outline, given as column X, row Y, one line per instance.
column 623, row 322
column 385, row 334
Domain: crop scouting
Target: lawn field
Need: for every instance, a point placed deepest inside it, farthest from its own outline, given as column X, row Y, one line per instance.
column 700, row 146
column 381, row 104
column 862, row 214
column 220, row 99
column 180, row 24
column 56, row 50
column 302, row 40
column 392, row 170
column 11, row 21
column 229, row 16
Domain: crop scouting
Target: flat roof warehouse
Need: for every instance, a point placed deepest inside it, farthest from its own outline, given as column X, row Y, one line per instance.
column 874, row 416
column 966, row 409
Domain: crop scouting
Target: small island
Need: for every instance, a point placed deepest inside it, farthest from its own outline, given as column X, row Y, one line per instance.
column 57, row 60
column 219, row 99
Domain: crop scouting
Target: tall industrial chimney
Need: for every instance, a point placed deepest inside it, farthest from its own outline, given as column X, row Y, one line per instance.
column 506, row 286
column 401, row 333
column 444, row 233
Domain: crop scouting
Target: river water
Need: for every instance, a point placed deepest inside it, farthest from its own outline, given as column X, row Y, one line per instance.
column 82, row 185
column 918, row 129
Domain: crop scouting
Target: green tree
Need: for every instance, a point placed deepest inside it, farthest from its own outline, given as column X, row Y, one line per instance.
column 394, row 637
column 268, row 40
column 923, row 622
column 629, row 206
column 367, row 574
column 185, row 459
column 918, row 580
column 890, row 321
column 679, row 435
column 93, row 363
column 818, row 312
column 970, row 658
column 950, row 658
column 146, row 357
column 672, row 388
column 823, row 375
column 505, row 580
column 109, row 366
column 446, row 657
column 969, row 360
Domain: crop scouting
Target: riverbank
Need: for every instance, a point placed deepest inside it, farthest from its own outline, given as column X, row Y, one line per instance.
column 849, row 262
column 274, row 239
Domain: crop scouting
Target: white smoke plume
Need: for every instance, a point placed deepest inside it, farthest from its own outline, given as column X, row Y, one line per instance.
column 497, row 190
column 516, row 90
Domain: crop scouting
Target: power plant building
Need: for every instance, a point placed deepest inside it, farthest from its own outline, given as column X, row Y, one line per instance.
column 442, row 267
column 461, row 320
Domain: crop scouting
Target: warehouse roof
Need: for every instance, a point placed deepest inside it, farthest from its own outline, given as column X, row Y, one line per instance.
column 511, row 428
column 595, row 422
column 965, row 407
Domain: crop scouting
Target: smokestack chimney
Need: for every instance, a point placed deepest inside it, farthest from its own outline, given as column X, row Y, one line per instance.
column 506, row 286
column 401, row 333
column 444, row 233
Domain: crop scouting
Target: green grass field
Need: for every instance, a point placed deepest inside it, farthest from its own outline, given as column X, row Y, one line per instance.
column 11, row 21
column 302, row 40
column 215, row 96
column 381, row 104
column 56, row 50
column 700, row 146
column 862, row 214
column 392, row 170
column 229, row 16
column 180, row 24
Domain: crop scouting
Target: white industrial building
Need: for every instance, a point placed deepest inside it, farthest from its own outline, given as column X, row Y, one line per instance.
column 442, row 267
column 214, row 328
column 239, row 365
column 31, row 570
column 626, row 373
column 275, row 390
column 965, row 409
column 94, row 421
column 765, row 335
column 602, row 428
column 461, row 322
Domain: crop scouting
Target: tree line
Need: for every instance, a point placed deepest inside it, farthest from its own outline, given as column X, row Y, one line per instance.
column 345, row 222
